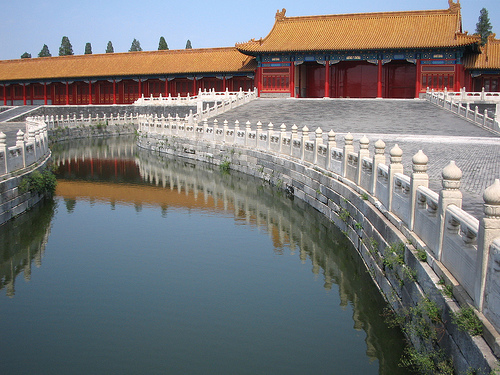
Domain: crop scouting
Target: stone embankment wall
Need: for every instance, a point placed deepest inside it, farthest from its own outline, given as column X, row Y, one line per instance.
column 30, row 153
column 418, row 246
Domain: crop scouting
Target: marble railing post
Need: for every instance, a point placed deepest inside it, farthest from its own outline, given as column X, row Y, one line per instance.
column 270, row 133
column 450, row 194
column 258, row 132
column 22, row 145
column 364, row 143
column 378, row 158
column 305, row 138
column 487, row 262
column 248, row 129
column 318, row 141
column 3, row 149
column 236, row 130
column 32, row 139
column 282, row 135
column 216, row 126
column 394, row 167
column 331, row 144
column 419, row 177
column 348, row 147
column 225, row 129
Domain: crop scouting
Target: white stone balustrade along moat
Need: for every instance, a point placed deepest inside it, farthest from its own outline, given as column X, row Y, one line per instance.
column 31, row 147
column 452, row 102
column 467, row 247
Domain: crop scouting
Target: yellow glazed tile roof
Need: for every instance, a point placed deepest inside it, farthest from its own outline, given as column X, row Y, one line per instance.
column 489, row 57
column 187, row 61
column 364, row 31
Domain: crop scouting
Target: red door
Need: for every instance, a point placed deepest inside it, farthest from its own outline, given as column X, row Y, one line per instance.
column 401, row 79
column 315, row 80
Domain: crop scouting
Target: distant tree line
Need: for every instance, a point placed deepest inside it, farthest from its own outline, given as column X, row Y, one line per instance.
column 66, row 49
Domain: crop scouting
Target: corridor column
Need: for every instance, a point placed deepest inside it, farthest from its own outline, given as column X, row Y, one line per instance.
column 4, row 94
column 45, row 93
column 90, row 92
column 379, row 79
column 67, row 93
column 24, row 93
column 114, row 91
column 417, row 80
column 292, row 79
column 327, row 79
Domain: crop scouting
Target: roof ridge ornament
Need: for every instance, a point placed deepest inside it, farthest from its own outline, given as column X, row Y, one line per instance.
column 454, row 7
column 280, row 16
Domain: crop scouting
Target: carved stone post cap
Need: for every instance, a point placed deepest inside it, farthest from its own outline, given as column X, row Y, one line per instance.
column 3, row 138
column 270, row 125
column 420, row 161
column 379, row 147
column 283, row 127
column 348, row 139
column 20, row 136
column 451, row 176
column 236, row 122
column 216, row 121
column 319, row 132
column 491, row 197
column 225, row 122
column 294, row 127
column 259, row 125
column 364, row 142
column 305, row 128
column 331, row 133
column 396, row 151
column 248, row 123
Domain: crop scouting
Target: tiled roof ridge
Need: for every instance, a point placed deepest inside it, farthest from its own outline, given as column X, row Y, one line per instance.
column 389, row 14
column 110, row 55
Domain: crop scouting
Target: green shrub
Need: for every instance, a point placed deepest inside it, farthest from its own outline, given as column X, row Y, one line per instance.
column 467, row 321
column 39, row 182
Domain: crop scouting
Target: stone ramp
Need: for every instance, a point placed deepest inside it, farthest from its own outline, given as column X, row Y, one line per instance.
column 17, row 112
column 412, row 124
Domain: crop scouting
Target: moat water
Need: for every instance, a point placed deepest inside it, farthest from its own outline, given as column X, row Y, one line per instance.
column 143, row 264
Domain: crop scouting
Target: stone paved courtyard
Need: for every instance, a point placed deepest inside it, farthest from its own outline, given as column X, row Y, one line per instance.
column 412, row 124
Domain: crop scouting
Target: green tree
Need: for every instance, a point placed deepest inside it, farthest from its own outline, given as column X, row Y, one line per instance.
column 136, row 46
column 188, row 44
column 66, row 48
column 88, row 48
column 109, row 48
column 44, row 52
column 163, row 44
column 26, row 55
column 483, row 26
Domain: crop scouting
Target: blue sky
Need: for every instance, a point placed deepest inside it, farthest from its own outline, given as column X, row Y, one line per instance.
column 27, row 24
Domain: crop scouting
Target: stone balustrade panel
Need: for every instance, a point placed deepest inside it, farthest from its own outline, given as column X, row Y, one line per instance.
column 459, row 252
column 382, row 188
column 336, row 157
column 426, row 220
column 492, row 293
column 366, row 173
column 401, row 200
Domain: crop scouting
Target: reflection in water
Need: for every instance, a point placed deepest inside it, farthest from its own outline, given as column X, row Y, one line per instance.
column 115, row 173
column 22, row 242
column 292, row 225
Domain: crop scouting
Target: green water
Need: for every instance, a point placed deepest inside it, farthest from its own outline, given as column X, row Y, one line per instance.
column 148, row 265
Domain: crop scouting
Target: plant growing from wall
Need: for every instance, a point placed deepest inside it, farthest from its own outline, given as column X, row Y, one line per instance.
column 39, row 182
column 467, row 321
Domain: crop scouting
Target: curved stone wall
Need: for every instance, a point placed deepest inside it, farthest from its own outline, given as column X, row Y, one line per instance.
column 352, row 190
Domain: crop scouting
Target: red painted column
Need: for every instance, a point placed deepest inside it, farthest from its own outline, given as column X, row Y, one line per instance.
column 24, row 94
column 194, row 86
column 292, row 79
column 458, row 78
column 418, row 83
column 166, row 87
column 140, row 88
column 67, row 93
column 259, row 80
column 224, row 83
column 90, row 92
column 114, row 91
column 379, row 79
column 327, row 79
column 4, row 94
column 45, row 93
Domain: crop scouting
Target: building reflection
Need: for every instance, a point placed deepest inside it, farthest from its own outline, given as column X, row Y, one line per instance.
column 119, row 174
column 22, row 243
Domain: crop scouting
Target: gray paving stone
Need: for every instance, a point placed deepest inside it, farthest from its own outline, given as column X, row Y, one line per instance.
column 412, row 124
